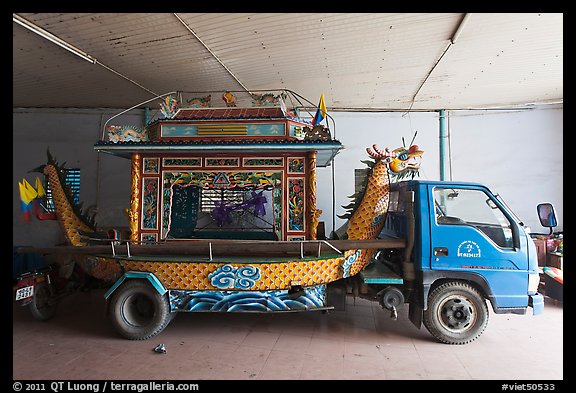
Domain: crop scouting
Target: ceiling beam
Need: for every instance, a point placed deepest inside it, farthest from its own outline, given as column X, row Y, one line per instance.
column 70, row 48
column 212, row 53
column 453, row 39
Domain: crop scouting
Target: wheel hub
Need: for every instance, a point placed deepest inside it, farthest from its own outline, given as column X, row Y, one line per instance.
column 138, row 310
column 457, row 314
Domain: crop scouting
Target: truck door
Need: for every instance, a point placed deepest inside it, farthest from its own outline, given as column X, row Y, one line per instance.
column 472, row 233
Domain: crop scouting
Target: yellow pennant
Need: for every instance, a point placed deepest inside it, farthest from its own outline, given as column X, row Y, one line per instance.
column 39, row 188
column 27, row 192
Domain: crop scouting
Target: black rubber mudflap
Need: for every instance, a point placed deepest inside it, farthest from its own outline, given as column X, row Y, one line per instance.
column 336, row 295
column 415, row 315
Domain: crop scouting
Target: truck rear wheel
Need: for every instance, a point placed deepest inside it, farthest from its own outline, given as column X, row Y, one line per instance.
column 138, row 311
column 456, row 314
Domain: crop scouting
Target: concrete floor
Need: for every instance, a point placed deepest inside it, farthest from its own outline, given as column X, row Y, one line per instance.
column 360, row 343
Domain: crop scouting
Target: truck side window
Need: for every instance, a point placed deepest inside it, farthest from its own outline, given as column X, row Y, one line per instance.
column 474, row 208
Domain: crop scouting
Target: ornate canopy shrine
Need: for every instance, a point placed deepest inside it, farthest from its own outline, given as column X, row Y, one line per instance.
column 233, row 172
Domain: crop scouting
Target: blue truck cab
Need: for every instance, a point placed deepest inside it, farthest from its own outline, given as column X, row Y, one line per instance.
column 464, row 248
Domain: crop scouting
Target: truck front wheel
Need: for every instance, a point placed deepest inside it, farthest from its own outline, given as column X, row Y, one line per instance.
column 456, row 314
column 138, row 311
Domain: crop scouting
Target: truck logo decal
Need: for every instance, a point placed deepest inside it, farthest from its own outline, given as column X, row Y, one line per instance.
column 468, row 249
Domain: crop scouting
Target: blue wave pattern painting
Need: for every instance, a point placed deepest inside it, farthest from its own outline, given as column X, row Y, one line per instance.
column 230, row 277
column 348, row 263
column 247, row 301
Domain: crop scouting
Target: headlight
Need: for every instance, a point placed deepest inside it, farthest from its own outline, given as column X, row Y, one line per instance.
column 533, row 282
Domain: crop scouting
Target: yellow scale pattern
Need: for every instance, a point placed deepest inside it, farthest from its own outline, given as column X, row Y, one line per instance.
column 106, row 270
column 375, row 201
column 71, row 224
column 273, row 276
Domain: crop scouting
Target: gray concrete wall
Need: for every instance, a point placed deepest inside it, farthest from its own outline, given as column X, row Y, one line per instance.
column 518, row 154
column 70, row 134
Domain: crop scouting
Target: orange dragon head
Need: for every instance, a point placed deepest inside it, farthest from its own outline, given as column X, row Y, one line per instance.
column 402, row 162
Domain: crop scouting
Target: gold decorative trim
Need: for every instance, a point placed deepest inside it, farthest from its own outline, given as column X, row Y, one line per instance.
column 222, row 130
column 134, row 213
column 313, row 213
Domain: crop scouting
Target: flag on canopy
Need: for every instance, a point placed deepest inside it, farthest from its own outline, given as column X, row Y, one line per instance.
column 27, row 195
column 39, row 188
column 41, row 193
column 320, row 112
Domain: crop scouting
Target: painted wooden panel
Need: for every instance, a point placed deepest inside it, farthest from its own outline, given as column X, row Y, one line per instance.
column 182, row 161
column 240, row 129
column 150, row 203
column 151, row 165
column 296, row 165
column 296, row 204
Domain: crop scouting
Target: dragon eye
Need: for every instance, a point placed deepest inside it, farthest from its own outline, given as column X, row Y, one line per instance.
column 403, row 156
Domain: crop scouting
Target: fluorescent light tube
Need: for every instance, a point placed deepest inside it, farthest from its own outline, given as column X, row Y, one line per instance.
column 52, row 38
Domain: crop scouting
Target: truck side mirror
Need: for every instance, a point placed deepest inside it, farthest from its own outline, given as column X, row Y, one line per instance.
column 547, row 215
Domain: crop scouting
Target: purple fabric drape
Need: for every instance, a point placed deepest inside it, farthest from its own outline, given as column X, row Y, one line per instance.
column 221, row 211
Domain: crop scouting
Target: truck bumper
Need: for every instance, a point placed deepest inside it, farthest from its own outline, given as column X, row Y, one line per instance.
column 536, row 301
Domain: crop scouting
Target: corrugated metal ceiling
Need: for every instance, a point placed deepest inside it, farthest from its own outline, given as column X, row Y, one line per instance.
column 375, row 60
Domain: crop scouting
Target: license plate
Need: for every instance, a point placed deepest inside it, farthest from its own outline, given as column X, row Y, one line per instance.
column 25, row 293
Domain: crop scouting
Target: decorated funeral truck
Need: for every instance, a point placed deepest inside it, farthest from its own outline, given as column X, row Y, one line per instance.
column 223, row 218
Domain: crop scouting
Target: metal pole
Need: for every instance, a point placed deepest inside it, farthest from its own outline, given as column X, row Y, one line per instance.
column 443, row 143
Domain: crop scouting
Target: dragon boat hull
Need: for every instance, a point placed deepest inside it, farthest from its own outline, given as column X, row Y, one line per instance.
column 232, row 273
column 149, row 290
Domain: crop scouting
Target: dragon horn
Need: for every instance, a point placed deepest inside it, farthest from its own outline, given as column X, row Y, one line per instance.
column 383, row 153
column 372, row 153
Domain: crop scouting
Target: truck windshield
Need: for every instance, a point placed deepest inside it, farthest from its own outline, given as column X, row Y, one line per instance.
column 459, row 206
column 509, row 210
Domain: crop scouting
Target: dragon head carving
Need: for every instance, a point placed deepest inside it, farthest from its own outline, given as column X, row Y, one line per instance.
column 406, row 159
column 402, row 162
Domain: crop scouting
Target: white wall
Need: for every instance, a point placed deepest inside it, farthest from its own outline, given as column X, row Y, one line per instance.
column 518, row 154
column 357, row 131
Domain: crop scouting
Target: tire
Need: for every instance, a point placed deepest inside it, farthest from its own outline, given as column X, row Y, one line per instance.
column 138, row 311
column 456, row 314
column 41, row 307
